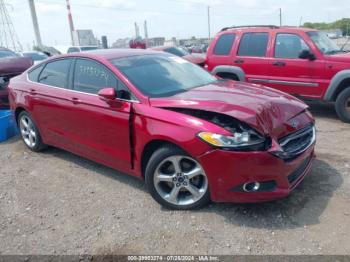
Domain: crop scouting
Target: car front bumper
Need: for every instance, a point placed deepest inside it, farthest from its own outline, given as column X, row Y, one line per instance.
column 228, row 171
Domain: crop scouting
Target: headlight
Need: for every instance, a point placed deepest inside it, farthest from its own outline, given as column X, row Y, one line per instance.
column 247, row 140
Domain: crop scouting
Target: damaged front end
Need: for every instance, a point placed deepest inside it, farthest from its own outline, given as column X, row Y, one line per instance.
column 243, row 138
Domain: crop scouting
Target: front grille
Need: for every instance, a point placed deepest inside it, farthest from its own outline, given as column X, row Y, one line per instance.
column 298, row 142
column 299, row 171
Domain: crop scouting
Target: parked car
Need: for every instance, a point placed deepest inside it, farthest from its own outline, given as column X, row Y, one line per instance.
column 300, row 61
column 75, row 49
column 191, row 136
column 10, row 65
column 196, row 59
column 36, row 56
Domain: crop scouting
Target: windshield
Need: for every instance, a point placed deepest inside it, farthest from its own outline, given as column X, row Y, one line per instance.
column 5, row 53
column 324, row 43
column 176, row 51
column 36, row 56
column 87, row 48
column 162, row 75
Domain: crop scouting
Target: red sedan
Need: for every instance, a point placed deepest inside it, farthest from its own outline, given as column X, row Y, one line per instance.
column 191, row 136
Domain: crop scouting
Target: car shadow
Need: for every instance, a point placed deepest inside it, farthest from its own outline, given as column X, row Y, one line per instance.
column 95, row 167
column 302, row 208
column 322, row 109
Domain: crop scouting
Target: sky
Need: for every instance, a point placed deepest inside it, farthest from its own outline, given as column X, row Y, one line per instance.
column 168, row 18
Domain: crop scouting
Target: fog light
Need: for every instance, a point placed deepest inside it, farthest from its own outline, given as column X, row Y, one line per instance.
column 251, row 187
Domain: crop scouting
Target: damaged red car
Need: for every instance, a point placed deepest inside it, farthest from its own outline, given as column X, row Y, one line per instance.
column 191, row 136
column 10, row 65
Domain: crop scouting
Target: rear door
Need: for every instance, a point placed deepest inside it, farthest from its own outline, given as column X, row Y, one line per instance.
column 287, row 71
column 49, row 102
column 99, row 128
column 252, row 54
column 222, row 52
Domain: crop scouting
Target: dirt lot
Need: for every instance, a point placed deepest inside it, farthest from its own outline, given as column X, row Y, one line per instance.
column 57, row 203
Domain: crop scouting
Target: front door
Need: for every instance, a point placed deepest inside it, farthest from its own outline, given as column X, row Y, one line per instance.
column 100, row 128
column 288, row 72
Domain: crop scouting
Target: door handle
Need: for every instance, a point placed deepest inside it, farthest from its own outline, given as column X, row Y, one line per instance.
column 279, row 63
column 32, row 91
column 75, row 100
column 239, row 61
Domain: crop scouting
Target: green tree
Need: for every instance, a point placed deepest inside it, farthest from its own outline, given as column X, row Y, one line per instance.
column 343, row 24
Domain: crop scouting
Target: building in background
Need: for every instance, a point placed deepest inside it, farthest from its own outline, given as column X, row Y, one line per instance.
column 156, row 41
column 171, row 42
column 85, row 38
column 121, row 43
column 104, row 42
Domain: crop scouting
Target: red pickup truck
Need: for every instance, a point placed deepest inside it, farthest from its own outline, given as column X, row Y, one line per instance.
column 300, row 61
column 10, row 65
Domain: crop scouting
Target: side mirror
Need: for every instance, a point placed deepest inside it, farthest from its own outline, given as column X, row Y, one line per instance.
column 306, row 54
column 107, row 94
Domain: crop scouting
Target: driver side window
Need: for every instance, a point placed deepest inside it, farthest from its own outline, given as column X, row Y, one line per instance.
column 289, row 46
column 90, row 77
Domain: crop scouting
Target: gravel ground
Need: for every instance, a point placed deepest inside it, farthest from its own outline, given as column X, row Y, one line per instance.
column 58, row 203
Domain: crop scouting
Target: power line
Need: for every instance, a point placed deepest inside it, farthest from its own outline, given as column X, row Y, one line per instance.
column 135, row 10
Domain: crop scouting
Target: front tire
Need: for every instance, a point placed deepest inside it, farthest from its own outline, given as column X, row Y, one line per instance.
column 29, row 132
column 176, row 180
column 342, row 105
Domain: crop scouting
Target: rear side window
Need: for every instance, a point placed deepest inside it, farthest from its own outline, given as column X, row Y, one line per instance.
column 91, row 77
column 224, row 44
column 56, row 73
column 253, row 44
column 34, row 74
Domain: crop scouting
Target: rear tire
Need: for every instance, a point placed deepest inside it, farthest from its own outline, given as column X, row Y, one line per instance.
column 342, row 105
column 176, row 180
column 29, row 132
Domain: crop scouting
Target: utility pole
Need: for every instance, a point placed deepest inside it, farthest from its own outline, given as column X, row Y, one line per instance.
column 301, row 21
column 70, row 21
column 35, row 23
column 208, row 22
column 280, row 16
column 146, row 32
column 137, row 31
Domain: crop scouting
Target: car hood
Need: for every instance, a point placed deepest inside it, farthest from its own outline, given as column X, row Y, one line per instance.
column 267, row 110
column 343, row 57
column 195, row 59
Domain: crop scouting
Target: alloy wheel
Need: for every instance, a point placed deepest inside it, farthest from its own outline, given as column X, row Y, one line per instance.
column 28, row 132
column 180, row 180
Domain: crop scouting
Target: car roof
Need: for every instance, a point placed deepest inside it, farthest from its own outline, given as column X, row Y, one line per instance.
column 5, row 49
column 112, row 53
column 267, row 27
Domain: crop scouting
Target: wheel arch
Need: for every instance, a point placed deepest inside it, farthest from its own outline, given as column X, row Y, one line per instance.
column 230, row 70
column 339, row 83
column 151, row 147
column 18, row 110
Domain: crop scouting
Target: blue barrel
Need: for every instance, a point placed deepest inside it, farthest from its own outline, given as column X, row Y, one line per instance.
column 8, row 127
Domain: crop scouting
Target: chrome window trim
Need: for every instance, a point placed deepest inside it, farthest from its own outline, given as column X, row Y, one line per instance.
column 79, row 92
